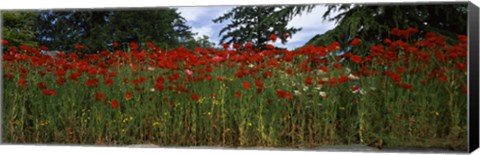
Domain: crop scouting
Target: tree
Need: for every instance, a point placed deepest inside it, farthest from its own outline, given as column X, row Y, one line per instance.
column 61, row 30
column 255, row 24
column 18, row 28
column 371, row 23
column 98, row 30
column 164, row 27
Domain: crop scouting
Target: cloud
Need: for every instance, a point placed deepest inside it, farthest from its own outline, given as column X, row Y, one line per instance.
column 192, row 13
column 311, row 23
column 200, row 19
column 204, row 30
column 195, row 14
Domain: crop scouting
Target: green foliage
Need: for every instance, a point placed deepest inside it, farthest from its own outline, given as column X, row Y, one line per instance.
column 19, row 27
column 61, row 30
column 164, row 27
column 255, row 24
column 371, row 23
column 96, row 30
column 201, row 42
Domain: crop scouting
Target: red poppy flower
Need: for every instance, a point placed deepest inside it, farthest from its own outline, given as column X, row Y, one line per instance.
column 108, row 81
column 400, row 70
column 333, row 81
column 74, row 76
column 113, row 74
column 355, row 42
column 92, row 82
column 259, row 90
column 273, row 37
column 21, row 82
column 323, row 68
column 259, row 83
column 238, row 94
column 283, row 94
column 60, row 72
column 24, row 47
column 343, row 79
column 356, row 58
column 246, row 85
column 462, row 38
column 142, row 79
column 114, row 104
column 172, row 104
column 115, row 45
column 270, row 47
column 4, row 41
column 236, row 46
column 387, row 41
column 60, row 81
column 443, row 79
column 43, row 47
column 248, row 45
column 134, row 46
column 308, row 81
column 337, row 66
column 135, row 81
column 128, row 96
column 395, row 77
column 99, row 96
column 41, row 85
column 195, row 97
column 8, row 76
column 355, row 88
column 226, row 46
column 285, row 35
column 50, row 92
column 78, row 47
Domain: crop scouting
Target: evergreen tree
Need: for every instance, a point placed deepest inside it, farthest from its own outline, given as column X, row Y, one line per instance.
column 98, row 30
column 255, row 24
column 371, row 23
column 18, row 28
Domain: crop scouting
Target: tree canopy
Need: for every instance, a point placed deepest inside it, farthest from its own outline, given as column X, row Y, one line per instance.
column 255, row 24
column 372, row 23
column 19, row 26
column 97, row 30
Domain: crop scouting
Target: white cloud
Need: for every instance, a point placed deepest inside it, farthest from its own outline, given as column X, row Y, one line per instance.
column 311, row 23
column 194, row 14
column 204, row 30
column 310, row 20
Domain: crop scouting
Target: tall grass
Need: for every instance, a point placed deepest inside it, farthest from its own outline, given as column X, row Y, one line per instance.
column 369, row 108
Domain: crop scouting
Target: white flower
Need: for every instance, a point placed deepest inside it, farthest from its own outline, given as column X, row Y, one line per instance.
column 325, row 79
column 305, row 88
column 373, row 88
column 363, row 92
column 251, row 65
column 355, row 91
column 321, row 72
column 353, row 77
column 152, row 90
column 297, row 92
column 151, row 69
column 347, row 70
column 323, row 94
column 318, row 87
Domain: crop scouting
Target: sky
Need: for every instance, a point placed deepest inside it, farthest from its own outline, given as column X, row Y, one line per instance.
column 200, row 19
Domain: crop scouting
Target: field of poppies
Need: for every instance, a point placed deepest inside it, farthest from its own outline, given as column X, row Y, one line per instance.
column 411, row 90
